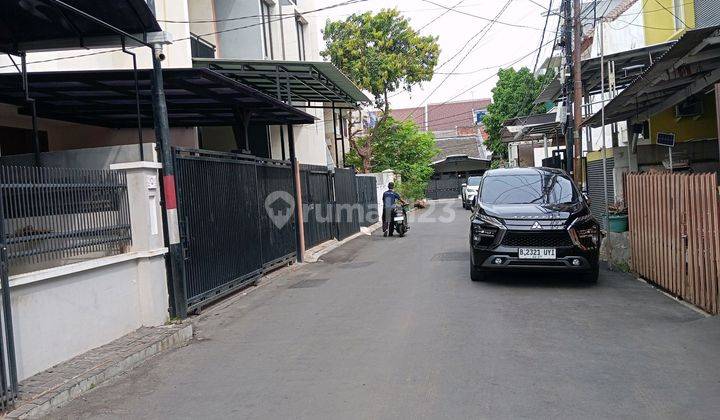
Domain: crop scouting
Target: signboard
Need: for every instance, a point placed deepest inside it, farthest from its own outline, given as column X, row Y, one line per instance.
column 666, row 139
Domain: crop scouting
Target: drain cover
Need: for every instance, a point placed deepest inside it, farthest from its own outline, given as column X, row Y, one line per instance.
column 308, row 283
column 451, row 256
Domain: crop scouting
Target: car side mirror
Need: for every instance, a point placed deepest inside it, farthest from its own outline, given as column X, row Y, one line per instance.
column 464, row 185
column 587, row 198
column 474, row 202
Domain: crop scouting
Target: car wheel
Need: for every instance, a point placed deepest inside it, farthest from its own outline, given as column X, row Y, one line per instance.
column 476, row 274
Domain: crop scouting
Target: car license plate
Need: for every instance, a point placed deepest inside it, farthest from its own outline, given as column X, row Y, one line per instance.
column 399, row 219
column 537, row 253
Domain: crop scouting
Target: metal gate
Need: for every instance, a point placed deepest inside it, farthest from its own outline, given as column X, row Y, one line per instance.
column 347, row 211
column 229, row 233
column 445, row 186
column 367, row 197
column 318, row 200
column 596, row 190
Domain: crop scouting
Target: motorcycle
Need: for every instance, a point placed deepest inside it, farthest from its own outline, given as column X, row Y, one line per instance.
column 399, row 219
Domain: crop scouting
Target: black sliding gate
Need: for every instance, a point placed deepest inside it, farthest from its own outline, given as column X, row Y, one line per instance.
column 318, row 201
column 346, row 199
column 235, row 220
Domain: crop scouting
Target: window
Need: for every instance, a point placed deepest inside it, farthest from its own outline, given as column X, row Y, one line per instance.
column 267, row 29
column 474, row 181
column 678, row 14
column 300, row 24
column 540, row 188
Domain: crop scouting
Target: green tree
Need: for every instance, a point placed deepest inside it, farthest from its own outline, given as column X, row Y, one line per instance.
column 381, row 53
column 513, row 96
column 401, row 146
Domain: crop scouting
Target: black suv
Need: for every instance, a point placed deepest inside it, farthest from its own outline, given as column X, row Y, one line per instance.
column 532, row 218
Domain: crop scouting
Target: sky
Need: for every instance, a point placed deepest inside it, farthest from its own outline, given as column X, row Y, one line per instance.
column 501, row 45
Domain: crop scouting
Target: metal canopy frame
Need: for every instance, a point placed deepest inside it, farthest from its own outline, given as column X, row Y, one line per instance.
column 628, row 64
column 314, row 84
column 531, row 127
column 194, row 97
column 70, row 24
column 689, row 67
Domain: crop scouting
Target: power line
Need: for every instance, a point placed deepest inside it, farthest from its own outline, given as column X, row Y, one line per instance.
column 486, row 30
column 447, row 10
column 494, row 20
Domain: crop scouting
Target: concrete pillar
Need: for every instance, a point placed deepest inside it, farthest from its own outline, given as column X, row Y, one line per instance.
column 147, row 239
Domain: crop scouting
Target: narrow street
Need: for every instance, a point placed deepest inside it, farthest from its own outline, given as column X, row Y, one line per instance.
column 394, row 328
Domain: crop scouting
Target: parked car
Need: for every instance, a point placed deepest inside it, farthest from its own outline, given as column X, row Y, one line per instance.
column 532, row 219
column 469, row 191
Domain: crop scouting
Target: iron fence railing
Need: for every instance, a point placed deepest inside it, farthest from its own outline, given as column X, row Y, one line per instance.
column 57, row 216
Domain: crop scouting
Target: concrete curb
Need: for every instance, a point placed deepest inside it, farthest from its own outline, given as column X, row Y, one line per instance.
column 313, row 255
column 78, row 385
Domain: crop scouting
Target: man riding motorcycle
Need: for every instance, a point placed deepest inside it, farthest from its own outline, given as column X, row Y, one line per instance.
column 389, row 199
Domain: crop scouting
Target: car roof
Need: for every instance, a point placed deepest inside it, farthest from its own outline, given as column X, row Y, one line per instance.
column 524, row 171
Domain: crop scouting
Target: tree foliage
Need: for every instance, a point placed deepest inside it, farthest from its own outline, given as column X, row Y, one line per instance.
column 381, row 52
column 401, row 146
column 513, row 96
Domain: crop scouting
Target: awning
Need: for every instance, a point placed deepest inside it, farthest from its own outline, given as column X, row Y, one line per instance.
column 690, row 66
column 292, row 81
column 194, row 97
column 35, row 25
column 531, row 127
column 628, row 64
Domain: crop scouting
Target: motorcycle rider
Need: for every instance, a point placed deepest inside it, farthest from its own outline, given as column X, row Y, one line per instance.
column 389, row 199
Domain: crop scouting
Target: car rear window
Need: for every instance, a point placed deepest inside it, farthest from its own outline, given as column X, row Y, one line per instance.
column 539, row 188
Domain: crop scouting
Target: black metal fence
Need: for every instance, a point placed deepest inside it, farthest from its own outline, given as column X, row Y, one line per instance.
column 318, row 202
column 235, row 220
column 367, row 198
column 56, row 216
column 347, row 211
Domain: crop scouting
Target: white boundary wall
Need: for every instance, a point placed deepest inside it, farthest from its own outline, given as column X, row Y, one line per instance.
column 61, row 312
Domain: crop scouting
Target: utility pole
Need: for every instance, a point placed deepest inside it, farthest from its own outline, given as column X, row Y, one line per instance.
column 567, row 43
column 577, row 87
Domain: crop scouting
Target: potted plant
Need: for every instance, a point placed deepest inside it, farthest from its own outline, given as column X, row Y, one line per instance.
column 618, row 217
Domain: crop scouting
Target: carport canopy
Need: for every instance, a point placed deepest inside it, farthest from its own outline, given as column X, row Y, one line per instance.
column 41, row 25
column 689, row 67
column 194, row 97
column 531, row 127
column 316, row 84
column 628, row 64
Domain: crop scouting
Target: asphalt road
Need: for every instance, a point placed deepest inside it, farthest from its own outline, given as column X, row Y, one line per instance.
column 390, row 328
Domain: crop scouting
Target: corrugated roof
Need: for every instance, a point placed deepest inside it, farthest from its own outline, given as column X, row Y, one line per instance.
column 689, row 66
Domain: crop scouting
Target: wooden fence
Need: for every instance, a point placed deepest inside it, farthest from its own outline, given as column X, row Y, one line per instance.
column 675, row 234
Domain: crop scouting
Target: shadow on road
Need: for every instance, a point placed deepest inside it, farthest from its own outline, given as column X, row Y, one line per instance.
column 530, row 279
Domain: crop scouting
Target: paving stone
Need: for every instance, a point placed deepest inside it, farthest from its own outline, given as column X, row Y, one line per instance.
column 61, row 383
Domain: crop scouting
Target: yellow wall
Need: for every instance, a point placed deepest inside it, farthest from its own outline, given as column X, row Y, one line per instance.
column 659, row 22
column 686, row 129
column 598, row 155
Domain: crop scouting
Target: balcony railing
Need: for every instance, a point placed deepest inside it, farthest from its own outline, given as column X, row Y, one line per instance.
column 200, row 48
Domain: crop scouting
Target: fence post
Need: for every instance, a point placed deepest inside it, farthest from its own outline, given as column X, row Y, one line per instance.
column 300, row 233
column 143, row 192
